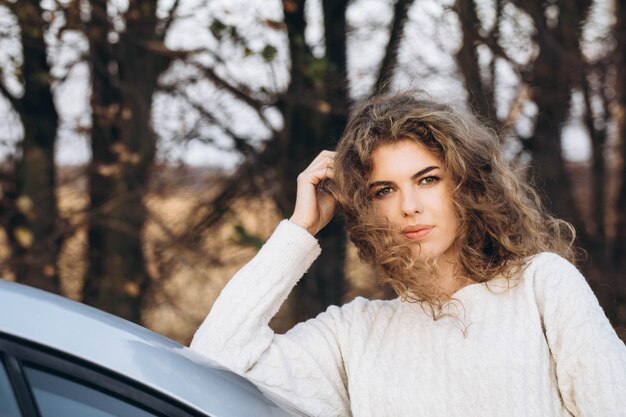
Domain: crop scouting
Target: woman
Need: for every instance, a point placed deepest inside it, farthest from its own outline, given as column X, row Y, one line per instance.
column 491, row 318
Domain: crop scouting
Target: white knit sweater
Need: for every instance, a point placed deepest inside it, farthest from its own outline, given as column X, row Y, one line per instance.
column 540, row 348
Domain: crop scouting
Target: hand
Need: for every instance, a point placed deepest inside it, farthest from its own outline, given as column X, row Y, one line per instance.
column 315, row 207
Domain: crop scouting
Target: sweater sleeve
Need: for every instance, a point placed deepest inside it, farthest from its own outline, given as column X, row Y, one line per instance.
column 590, row 359
column 304, row 365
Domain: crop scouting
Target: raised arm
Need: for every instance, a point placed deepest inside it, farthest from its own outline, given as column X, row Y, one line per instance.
column 304, row 365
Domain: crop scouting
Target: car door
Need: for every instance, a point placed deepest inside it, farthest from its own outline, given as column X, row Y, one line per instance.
column 37, row 382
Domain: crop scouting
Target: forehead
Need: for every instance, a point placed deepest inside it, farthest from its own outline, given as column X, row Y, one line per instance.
column 406, row 156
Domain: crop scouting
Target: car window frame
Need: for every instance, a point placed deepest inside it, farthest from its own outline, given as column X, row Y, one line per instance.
column 17, row 353
column 20, row 392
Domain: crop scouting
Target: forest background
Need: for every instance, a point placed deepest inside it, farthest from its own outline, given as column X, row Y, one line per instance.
column 149, row 148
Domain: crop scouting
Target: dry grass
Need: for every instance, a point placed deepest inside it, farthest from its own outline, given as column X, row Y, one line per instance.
column 189, row 268
column 195, row 278
column 191, row 278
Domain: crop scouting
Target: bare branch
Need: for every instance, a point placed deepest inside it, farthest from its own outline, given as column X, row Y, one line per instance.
column 241, row 144
column 254, row 174
column 598, row 139
column 68, row 67
column 245, row 181
column 239, row 91
column 497, row 50
column 522, row 96
column 4, row 91
column 390, row 59
column 171, row 15
column 14, row 101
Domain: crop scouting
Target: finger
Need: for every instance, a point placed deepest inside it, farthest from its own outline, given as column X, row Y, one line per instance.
column 322, row 163
column 326, row 153
column 315, row 176
column 323, row 158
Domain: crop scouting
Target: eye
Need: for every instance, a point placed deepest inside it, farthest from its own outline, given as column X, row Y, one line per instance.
column 432, row 179
column 382, row 192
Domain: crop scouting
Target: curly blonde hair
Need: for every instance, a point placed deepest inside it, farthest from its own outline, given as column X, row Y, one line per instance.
column 501, row 219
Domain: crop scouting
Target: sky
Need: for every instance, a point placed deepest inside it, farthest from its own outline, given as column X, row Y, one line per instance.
column 427, row 64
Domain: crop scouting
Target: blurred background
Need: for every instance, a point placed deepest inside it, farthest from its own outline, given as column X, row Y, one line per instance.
column 148, row 148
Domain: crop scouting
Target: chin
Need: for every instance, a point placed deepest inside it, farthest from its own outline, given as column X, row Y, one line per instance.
column 424, row 254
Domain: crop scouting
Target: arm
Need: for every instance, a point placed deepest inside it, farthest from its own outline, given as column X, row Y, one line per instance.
column 253, row 296
column 264, row 283
column 304, row 365
column 590, row 359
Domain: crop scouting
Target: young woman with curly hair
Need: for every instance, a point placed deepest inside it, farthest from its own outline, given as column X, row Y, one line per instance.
column 491, row 318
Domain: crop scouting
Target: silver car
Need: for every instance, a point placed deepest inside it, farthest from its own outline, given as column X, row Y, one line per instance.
column 60, row 358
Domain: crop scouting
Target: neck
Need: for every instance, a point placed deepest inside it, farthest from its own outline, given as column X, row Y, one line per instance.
column 448, row 277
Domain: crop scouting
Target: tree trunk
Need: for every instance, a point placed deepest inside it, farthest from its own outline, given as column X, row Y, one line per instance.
column 620, row 115
column 32, row 227
column 479, row 94
column 598, row 210
column 390, row 59
column 124, row 78
column 618, row 255
column 555, row 71
column 315, row 114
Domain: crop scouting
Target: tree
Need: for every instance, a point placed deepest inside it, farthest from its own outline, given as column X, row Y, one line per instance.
column 616, row 252
column 553, row 77
column 30, row 207
column 124, row 78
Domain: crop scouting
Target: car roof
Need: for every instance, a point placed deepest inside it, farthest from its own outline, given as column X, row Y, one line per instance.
column 128, row 349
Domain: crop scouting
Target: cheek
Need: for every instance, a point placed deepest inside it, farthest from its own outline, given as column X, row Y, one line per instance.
column 452, row 219
column 444, row 206
column 385, row 209
column 380, row 209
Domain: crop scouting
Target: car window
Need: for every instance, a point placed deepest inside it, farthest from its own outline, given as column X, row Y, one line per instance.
column 8, row 403
column 60, row 397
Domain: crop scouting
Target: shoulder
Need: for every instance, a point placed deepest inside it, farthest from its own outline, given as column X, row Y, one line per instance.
column 548, row 266
column 554, row 277
column 549, row 260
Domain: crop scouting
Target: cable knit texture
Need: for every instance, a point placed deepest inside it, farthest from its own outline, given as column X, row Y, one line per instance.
column 538, row 346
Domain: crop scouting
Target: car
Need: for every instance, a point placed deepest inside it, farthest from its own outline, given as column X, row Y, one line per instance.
column 61, row 358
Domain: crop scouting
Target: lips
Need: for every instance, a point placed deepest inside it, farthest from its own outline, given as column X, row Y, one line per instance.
column 417, row 232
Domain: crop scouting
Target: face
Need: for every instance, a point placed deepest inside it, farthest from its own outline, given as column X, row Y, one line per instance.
column 409, row 186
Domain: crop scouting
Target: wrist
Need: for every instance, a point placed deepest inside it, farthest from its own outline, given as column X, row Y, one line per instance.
column 303, row 225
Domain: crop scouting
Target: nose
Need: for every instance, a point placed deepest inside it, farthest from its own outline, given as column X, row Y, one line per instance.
column 411, row 203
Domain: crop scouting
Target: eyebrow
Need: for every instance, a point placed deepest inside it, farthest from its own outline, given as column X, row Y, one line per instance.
column 413, row 177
